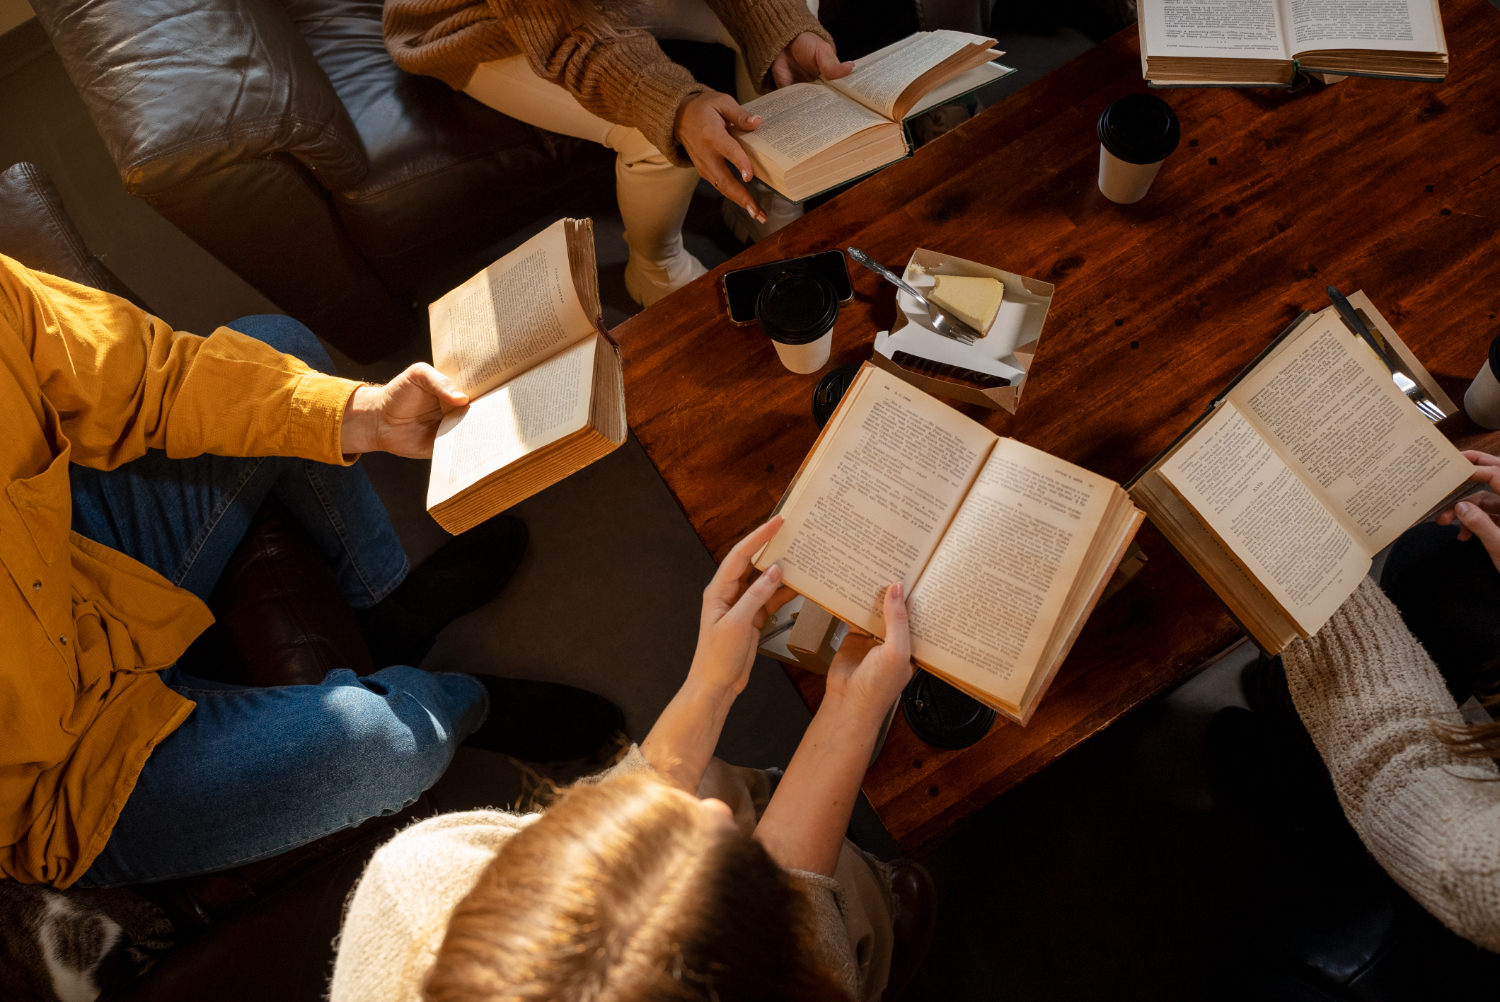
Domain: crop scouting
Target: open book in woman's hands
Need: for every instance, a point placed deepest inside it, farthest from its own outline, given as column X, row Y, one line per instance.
column 525, row 340
column 1003, row 549
column 813, row 136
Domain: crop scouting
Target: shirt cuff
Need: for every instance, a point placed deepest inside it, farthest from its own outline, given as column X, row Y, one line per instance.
column 316, row 423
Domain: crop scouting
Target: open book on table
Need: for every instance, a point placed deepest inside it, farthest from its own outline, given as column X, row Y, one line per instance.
column 525, row 340
column 814, row 136
column 1260, row 43
column 1309, row 465
column 1003, row 549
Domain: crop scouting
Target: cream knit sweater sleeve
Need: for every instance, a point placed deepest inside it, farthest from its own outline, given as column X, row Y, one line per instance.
column 1367, row 690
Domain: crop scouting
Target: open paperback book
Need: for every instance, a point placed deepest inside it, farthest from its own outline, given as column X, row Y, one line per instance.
column 1309, row 465
column 813, row 136
column 1262, row 43
column 1003, row 550
column 525, row 340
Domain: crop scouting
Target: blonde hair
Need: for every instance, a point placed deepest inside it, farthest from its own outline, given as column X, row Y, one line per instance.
column 629, row 890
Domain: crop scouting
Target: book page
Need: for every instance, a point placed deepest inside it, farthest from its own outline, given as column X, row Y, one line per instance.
column 985, row 607
column 1213, row 28
column 1386, row 25
column 1328, row 406
column 803, row 120
column 509, row 317
column 536, row 408
column 875, row 498
column 879, row 79
column 1267, row 518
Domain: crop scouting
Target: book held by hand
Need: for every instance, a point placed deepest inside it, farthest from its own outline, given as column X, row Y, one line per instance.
column 1003, row 549
column 525, row 340
column 814, row 136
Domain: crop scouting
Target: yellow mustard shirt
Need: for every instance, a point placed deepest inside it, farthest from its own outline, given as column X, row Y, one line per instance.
column 87, row 378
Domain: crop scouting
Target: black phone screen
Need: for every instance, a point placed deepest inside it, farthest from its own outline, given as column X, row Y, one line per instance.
column 743, row 286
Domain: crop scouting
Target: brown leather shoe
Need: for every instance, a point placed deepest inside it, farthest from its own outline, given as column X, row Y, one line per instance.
column 915, row 897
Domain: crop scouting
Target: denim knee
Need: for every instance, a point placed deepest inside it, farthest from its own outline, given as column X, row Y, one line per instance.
column 287, row 336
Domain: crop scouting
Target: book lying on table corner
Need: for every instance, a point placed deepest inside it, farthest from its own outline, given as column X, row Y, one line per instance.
column 1003, row 550
column 525, row 340
column 1308, row 465
column 814, row 136
column 1264, row 43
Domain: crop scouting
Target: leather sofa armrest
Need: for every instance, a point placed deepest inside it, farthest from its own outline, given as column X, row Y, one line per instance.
column 180, row 89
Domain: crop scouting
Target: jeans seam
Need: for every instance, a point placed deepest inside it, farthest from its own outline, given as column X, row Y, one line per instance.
column 331, row 512
column 196, row 549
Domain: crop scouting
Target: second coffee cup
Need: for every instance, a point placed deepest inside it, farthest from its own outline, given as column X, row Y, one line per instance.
column 1136, row 133
column 797, row 311
column 1482, row 399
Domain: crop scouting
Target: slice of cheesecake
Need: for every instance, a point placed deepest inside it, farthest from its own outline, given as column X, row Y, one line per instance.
column 974, row 300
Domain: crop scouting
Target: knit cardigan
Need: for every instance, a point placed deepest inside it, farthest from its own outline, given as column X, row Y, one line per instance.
column 621, row 75
column 398, row 914
column 1367, row 692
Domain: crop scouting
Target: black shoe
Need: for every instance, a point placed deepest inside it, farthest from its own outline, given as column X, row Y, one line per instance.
column 547, row 721
column 464, row 574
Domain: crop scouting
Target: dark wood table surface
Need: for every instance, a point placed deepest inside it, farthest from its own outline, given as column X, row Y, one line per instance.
column 1387, row 186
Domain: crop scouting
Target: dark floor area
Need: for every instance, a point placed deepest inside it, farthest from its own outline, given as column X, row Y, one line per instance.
column 1115, row 874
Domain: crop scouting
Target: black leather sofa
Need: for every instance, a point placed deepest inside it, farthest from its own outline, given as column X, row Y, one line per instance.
column 280, row 136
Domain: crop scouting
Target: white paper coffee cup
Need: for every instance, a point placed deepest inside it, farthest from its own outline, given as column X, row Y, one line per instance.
column 1124, row 182
column 808, row 357
column 1482, row 398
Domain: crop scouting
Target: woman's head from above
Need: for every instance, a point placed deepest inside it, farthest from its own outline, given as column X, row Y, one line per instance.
column 631, row 890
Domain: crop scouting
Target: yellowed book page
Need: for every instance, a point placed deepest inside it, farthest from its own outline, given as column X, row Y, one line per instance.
column 989, row 600
column 880, row 79
column 801, row 121
column 1381, row 25
column 533, row 410
column 506, row 319
column 1328, row 406
column 1267, row 518
column 1215, row 29
column 870, row 508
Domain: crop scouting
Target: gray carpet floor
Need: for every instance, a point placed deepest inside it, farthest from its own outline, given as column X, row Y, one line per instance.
column 1119, row 853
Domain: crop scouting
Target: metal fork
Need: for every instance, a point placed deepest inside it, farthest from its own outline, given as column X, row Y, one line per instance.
column 948, row 326
column 1377, row 344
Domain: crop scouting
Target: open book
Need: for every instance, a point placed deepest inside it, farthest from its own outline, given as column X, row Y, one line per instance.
column 1003, row 549
column 813, row 136
column 1260, row 43
column 525, row 340
column 1307, row 467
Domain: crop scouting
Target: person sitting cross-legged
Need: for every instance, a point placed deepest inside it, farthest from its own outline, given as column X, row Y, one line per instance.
column 135, row 457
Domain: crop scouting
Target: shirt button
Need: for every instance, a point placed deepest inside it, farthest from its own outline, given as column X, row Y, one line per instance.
column 36, row 586
column 62, row 638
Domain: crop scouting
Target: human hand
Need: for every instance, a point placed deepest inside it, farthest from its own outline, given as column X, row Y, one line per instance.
column 703, row 124
column 868, row 675
column 1486, row 504
column 734, row 610
column 807, row 58
column 401, row 417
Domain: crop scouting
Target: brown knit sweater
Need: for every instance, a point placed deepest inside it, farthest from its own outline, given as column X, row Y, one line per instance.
column 621, row 75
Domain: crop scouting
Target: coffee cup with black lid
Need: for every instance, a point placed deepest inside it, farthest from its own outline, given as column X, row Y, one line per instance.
column 1482, row 398
column 797, row 310
column 1136, row 133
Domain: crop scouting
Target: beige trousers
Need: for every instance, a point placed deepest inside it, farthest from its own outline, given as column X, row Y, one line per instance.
column 653, row 194
column 863, row 878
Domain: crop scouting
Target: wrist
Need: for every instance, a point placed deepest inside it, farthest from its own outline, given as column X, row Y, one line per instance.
column 703, row 690
column 853, row 713
column 361, row 415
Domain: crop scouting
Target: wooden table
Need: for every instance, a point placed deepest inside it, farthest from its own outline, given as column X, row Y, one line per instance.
column 1386, row 186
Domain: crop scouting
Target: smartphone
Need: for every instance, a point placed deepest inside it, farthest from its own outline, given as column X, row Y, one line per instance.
column 742, row 287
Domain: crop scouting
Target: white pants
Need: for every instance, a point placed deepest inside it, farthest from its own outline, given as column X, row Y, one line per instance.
column 653, row 193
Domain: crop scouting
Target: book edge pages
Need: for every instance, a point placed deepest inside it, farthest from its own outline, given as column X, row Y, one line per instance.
column 968, row 57
column 584, row 265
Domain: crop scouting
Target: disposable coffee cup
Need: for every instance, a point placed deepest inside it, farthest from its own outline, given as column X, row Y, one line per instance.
column 1136, row 133
column 1482, row 398
column 797, row 311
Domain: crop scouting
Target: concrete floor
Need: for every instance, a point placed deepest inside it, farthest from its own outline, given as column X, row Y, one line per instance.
column 1119, row 853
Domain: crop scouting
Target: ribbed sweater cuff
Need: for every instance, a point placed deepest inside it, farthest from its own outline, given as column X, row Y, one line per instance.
column 654, row 100
column 769, row 27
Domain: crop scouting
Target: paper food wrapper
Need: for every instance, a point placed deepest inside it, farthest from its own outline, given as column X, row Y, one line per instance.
column 1007, row 349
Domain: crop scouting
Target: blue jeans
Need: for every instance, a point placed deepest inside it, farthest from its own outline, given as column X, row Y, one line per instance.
column 253, row 772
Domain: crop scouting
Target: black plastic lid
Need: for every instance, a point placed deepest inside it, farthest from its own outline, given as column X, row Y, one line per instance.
column 943, row 716
column 1139, row 129
column 796, row 307
column 830, row 391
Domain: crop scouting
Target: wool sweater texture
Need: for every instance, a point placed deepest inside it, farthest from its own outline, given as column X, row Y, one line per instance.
column 615, row 70
column 1367, row 692
column 398, row 915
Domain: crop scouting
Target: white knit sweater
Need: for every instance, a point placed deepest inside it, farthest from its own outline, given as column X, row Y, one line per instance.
column 398, row 914
column 1367, row 690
